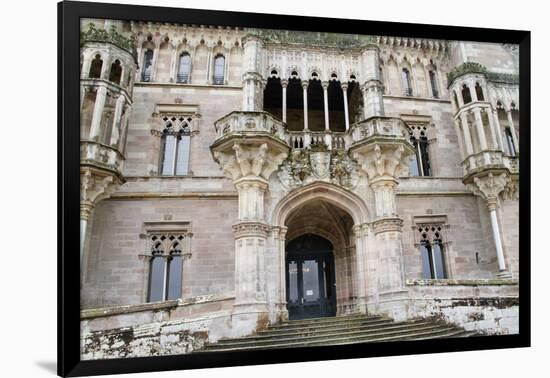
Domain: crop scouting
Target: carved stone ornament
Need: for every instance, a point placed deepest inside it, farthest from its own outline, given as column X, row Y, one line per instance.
column 489, row 187
column 303, row 167
column 244, row 160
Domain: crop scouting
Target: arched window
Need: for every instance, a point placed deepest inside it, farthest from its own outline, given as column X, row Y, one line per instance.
column 510, row 141
column 433, row 83
column 175, row 270
column 406, row 77
column 166, row 269
column 184, row 68
column 479, row 92
column 432, row 252
column 95, row 67
column 219, row 70
column 466, row 95
column 116, row 72
column 174, row 149
column 147, row 65
column 157, row 270
column 419, row 164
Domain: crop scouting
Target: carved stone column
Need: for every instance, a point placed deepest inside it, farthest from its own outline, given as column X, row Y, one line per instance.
column 249, row 161
column 373, row 86
column 346, row 110
column 512, row 129
column 494, row 138
column 480, row 129
column 116, row 129
column 325, row 102
column 279, row 241
column 489, row 188
column 252, row 77
column 97, row 115
column 304, row 86
column 284, row 84
column 383, row 161
column 467, row 136
column 360, row 234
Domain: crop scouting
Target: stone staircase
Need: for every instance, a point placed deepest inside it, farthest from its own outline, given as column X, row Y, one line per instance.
column 352, row 329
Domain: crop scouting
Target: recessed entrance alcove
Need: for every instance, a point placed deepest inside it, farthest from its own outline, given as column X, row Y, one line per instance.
column 320, row 254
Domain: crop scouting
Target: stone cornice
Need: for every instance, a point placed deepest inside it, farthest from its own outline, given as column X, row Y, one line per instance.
column 89, row 314
column 467, row 282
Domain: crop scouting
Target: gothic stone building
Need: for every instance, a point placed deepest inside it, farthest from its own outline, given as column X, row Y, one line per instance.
column 235, row 178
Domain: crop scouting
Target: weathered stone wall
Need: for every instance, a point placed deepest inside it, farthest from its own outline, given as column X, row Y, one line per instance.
column 142, row 150
column 164, row 328
column 465, row 234
column 115, row 273
column 485, row 306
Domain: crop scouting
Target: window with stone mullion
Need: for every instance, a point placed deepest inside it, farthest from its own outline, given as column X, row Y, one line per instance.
column 432, row 252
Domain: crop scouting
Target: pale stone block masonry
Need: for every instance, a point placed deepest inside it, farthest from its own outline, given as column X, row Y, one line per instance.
column 206, row 151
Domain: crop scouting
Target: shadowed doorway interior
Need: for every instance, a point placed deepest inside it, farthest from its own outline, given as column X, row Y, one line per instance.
column 310, row 278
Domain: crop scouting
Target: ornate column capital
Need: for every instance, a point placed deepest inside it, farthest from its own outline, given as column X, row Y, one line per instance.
column 95, row 185
column 382, row 161
column 284, row 83
column 305, row 83
column 86, row 208
column 344, row 86
column 489, row 188
column 325, row 84
column 250, row 159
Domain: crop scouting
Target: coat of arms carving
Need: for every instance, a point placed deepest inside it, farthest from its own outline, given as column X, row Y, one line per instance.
column 304, row 166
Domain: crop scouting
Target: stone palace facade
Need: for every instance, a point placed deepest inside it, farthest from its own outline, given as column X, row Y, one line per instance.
column 234, row 178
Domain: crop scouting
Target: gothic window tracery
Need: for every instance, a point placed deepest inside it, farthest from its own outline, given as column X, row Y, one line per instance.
column 95, row 67
column 407, row 86
column 433, row 83
column 420, row 162
column 184, row 68
column 175, row 143
column 219, row 70
column 479, row 93
column 432, row 250
column 116, row 72
column 147, row 65
column 466, row 95
column 166, row 265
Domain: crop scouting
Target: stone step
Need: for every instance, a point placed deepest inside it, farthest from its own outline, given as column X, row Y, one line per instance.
column 327, row 338
column 412, row 335
column 322, row 326
column 329, row 319
column 276, row 335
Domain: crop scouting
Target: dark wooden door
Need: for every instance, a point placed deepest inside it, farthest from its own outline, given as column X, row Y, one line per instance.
column 310, row 278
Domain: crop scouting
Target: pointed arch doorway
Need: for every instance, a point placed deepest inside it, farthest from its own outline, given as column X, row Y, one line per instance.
column 310, row 277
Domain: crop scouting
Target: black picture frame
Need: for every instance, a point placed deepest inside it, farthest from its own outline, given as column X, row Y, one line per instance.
column 69, row 14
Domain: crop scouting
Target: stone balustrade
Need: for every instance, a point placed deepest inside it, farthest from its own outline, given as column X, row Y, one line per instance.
column 113, row 88
column 303, row 139
column 246, row 123
column 101, row 156
column 249, row 123
column 483, row 160
column 378, row 128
